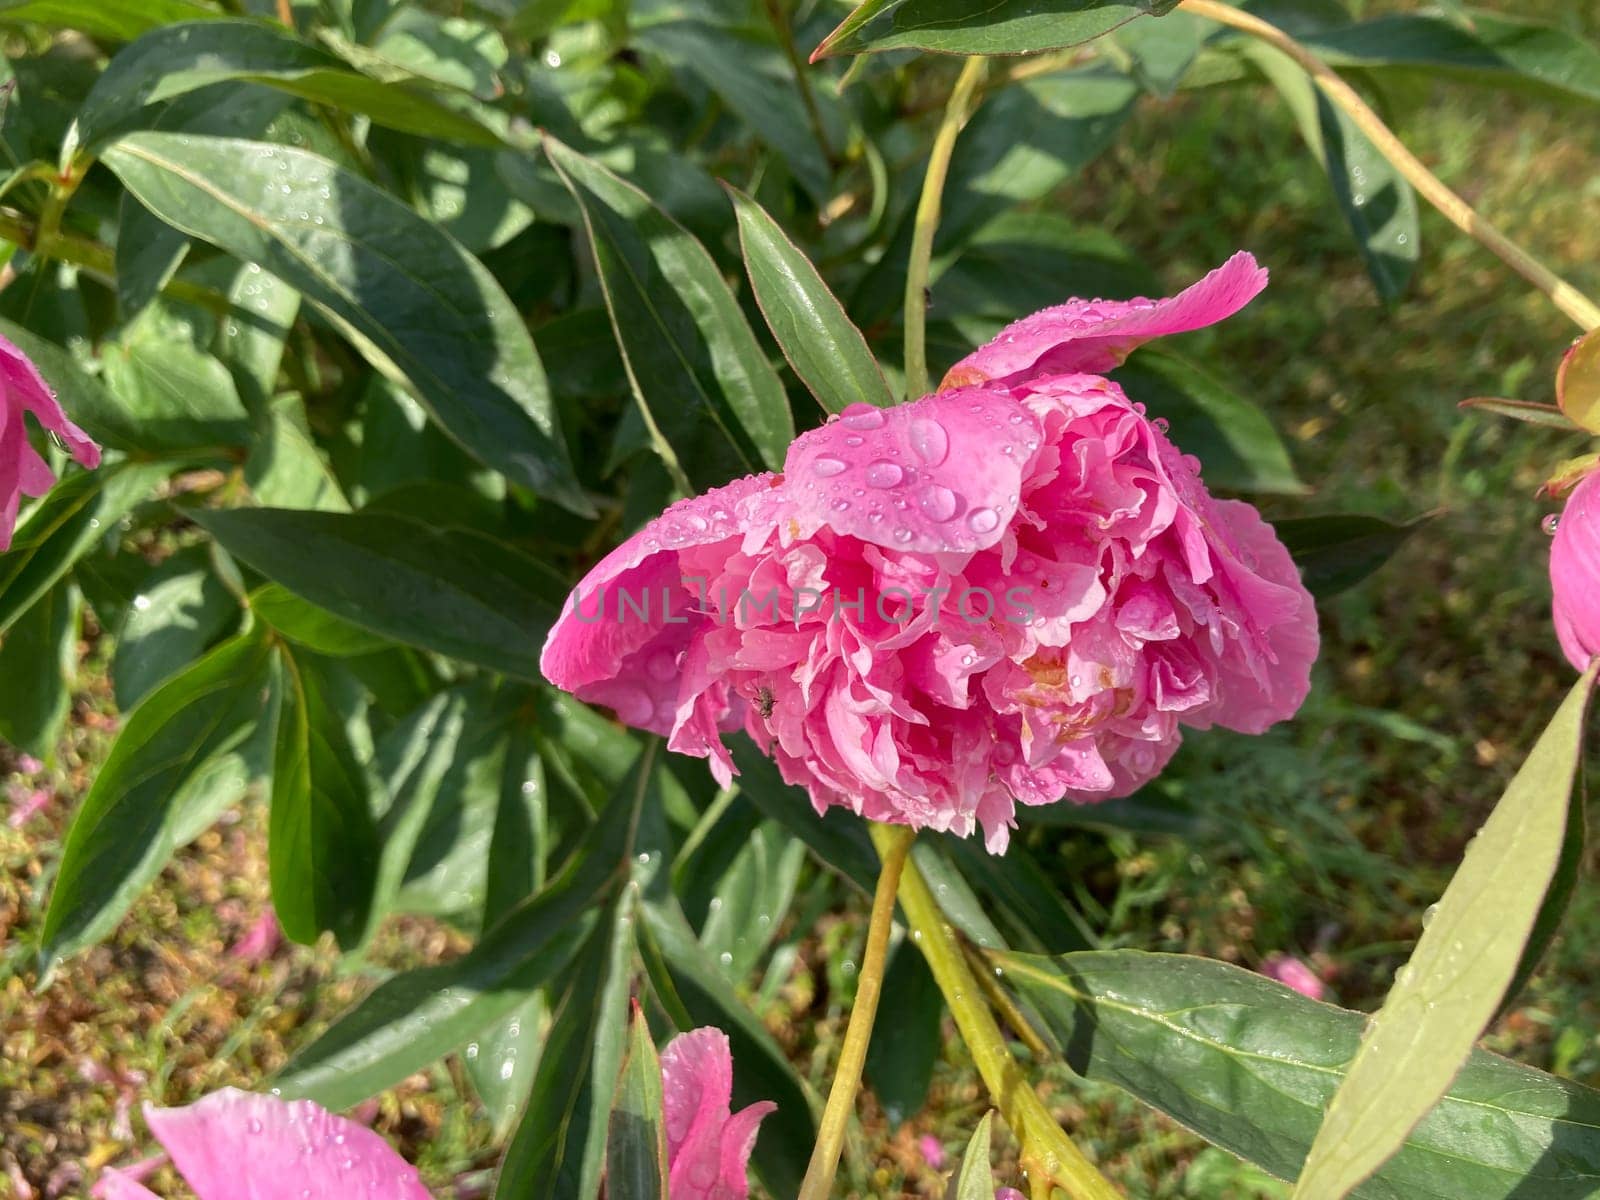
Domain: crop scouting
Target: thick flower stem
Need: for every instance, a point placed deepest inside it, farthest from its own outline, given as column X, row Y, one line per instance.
column 956, row 112
column 894, row 847
column 1046, row 1150
column 1462, row 215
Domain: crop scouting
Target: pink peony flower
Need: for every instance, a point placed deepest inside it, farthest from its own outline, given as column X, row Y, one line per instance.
column 1575, row 573
column 932, row 1150
column 708, row 1150
column 1014, row 590
column 22, row 471
column 1295, row 973
column 235, row 1145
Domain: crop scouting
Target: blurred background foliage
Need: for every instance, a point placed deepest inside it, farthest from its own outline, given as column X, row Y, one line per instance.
column 1326, row 839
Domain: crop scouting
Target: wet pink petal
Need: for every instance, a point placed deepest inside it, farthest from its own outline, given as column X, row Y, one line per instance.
column 236, row 1145
column 708, row 1149
column 905, row 478
column 1293, row 972
column 127, row 1183
column 1096, row 335
column 22, row 471
column 27, row 764
column 1575, row 573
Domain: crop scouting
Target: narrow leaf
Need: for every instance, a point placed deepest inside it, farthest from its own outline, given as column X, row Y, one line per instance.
column 975, row 1179
column 636, row 1146
column 42, row 648
column 1006, row 27
column 1335, row 552
column 826, row 351
column 117, row 20
column 1465, row 959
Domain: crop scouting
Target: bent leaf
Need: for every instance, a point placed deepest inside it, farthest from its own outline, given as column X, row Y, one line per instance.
column 959, row 27
column 1465, row 960
column 1338, row 551
column 636, row 1146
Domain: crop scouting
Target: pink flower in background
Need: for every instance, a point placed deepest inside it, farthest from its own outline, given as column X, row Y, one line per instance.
column 22, row 471
column 1007, row 1193
column 26, row 804
column 932, row 1151
column 236, row 1145
column 708, row 1147
column 1295, row 973
column 1014, row 590
column 259, row 941
column 1575, row 573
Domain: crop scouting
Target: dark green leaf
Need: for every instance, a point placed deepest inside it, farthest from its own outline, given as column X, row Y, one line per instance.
column 312, row 627
column 177, row 59
column 1250, row 1066
column 42, row 649
column 907, row 1043
column 1230, row 435
column 452, row 591
column 691, row 357
column 636, row 1146
column 78, row 512
column 118, row 20
column 839, row 841
column 1006, row 27
column 182, row 756
column 1375, row 199
column 1458, row 974
column 284, row 468
column 417, row 304
column 826, row 351
column 179, row 608
column 1337, row 552
column 148, row 253
column 322, row 841
column 1024, row 897
column 559, row 1147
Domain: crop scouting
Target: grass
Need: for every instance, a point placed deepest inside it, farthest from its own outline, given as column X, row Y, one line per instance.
column 1435, row 676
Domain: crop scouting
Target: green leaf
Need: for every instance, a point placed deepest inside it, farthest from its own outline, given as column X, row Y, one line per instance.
column 1375, row 199
column 1458, row 974
column 78, row 512
column 751, row 898
column 284, row 468
column 826, row 351
column 1338, row 551
column 636, row 1145
column 1569, row 869
column 1230, row 435
column 1023, row 897
column 117, row 20
column 753, row 80
column 1250, row 1065
column 42, row 648
column 177, row 396
column 182, row 757
column 417, row 1017
column 1530, row 411
column 905, row 1047
column 559, row 1146
column 416, row 304
column 179, row 608
column 453, row 591
column 322, row 842
column 312, row 627
column 502, row 1063
column 176, row 59
column 690, row 354
column 1006, row 27
column 148, row 253
column 250, row 343
column 1490, row 48
column 975, row 1179
column 837, row 840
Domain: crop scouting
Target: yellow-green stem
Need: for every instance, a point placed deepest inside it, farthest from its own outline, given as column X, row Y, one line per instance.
column 1457, row 211
column 894, row 845
column 956, row 112
column 1046, row 1148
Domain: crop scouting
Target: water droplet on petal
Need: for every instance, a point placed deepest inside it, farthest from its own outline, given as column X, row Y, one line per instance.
column 929, row 440
column 883, row 474
column 861, row 416
column 1550, row 524
column 827, row 467
column 983, row 520
column 902, row 535
column 938, row 503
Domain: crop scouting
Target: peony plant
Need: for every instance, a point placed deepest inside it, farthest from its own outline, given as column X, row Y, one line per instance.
column 497, row 402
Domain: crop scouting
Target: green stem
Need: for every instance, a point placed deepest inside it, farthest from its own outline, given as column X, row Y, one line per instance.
column 1046, row 1150
column 894, row 847
column 956, row 112
column 780, row 25
column 1462, row 215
